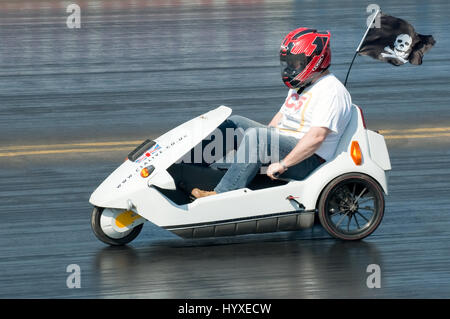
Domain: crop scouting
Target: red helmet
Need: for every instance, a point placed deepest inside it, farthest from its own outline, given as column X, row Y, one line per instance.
column 304, row 54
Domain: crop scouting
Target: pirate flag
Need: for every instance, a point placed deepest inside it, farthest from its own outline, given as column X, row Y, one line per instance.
column 395, row 42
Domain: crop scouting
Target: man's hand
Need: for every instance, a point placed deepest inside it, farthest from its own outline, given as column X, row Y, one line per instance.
column 275, row 168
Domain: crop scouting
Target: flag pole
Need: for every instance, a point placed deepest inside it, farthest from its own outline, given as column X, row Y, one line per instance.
column 360, row 44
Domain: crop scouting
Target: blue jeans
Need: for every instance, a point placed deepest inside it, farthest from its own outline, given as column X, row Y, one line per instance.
column 260, row 145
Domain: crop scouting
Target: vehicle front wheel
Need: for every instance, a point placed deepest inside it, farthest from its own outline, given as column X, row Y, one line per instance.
column 106, row 224
column 351, row 207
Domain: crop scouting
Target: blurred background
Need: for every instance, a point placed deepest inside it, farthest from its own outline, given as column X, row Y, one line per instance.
column 136, row 68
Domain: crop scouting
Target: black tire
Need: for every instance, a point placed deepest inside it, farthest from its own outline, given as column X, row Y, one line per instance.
column 96, row 227
column 342, row 199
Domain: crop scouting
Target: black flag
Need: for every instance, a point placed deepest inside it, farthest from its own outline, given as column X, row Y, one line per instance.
column 396, row 42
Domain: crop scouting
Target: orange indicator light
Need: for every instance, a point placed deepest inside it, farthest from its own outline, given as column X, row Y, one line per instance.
column 355, row 152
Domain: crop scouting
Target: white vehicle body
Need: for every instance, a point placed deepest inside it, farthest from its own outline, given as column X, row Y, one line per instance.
column 235, row 212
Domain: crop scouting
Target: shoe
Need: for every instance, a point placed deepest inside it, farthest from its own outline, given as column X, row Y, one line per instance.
column 198, row 193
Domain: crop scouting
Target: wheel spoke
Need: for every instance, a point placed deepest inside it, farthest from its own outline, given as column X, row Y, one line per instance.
column 363, row 200
column 367, row 208
column 362, row 192
column 356, row 220
column 349, row 221
column 342, row 218
column 364, row 217
column 336, row 213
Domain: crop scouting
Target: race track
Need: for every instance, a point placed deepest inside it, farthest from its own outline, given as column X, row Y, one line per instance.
column 74, row 102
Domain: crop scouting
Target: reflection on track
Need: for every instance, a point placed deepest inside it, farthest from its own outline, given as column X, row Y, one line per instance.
column 286, row 269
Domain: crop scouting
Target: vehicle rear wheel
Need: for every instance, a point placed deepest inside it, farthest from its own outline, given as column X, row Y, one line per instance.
column 102, row 225
column 351, row 207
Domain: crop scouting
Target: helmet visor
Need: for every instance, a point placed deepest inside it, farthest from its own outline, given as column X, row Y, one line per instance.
column 294, row 62
column 291, row 66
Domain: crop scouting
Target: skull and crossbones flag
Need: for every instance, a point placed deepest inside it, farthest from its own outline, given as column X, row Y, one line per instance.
column 395, row 41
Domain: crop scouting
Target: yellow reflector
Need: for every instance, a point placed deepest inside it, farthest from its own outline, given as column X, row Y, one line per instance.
column 126, row 218
column 355, row 152
column 145, row 173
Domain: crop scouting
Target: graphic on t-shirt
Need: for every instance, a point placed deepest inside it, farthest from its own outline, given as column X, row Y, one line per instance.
column 295, row 102
column 294, row 111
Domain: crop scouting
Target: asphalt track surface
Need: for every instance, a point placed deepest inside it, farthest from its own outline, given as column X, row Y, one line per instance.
column 74, row 102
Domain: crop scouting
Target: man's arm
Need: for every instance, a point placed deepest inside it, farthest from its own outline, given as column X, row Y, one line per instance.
column 305, row 148
column 276, row 119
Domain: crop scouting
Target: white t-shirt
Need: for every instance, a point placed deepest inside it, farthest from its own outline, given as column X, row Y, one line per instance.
column 326, row 103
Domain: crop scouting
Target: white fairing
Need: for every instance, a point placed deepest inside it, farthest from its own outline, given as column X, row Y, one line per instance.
column 125, row 182
column 378, row 150
column 241, row 203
